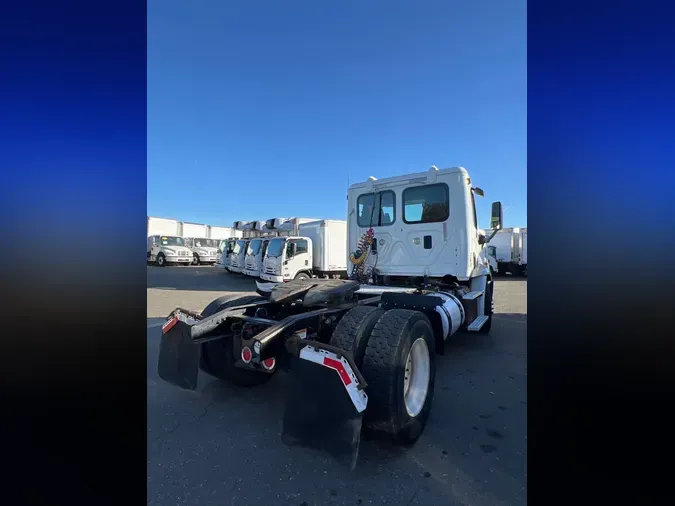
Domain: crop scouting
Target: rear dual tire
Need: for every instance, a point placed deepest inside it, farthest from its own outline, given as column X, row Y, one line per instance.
column 394, row 351
column 218, row 358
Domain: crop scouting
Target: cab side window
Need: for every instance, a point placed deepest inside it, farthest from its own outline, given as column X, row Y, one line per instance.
column 301, row 246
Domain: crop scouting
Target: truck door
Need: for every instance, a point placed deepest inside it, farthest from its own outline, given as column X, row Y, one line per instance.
column 298, row 258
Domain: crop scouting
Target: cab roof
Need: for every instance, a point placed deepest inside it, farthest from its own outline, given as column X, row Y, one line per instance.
column 406, row 177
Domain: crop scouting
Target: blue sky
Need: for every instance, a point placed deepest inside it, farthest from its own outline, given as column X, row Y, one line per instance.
column 267, row 108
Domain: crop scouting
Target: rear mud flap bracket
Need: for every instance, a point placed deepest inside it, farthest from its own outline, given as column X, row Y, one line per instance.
column 179, row 356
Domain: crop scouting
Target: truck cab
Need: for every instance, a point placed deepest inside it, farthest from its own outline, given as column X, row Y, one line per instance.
column 204, row 251
column 414, row 227
column 255, row 253
column 167, row 249
column 287, row 258
column 226, row 251
column 238, row 255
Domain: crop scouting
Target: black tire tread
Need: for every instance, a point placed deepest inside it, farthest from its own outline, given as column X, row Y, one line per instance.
column 355, row 320
column 380, row 367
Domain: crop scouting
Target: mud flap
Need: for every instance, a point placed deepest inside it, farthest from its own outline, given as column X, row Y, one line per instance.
column 324, row 405
column 178, row 355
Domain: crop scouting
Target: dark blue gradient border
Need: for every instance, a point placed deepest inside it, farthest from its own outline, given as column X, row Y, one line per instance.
column 600, row 164
column 600, row 184
column 73, row 205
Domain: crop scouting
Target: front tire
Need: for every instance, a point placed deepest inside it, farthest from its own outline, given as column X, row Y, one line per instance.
column 302, row 275
column 195, row 259
column 399, row 366
column 218, row 357
column 161, row 260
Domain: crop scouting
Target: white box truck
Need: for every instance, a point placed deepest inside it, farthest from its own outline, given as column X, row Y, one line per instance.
column 204, row 250
column 163, row 226
column 164, row 244
column 505, row 243
column 319, row 250
column 196, row 238
column 257, row 248
column 168, row 249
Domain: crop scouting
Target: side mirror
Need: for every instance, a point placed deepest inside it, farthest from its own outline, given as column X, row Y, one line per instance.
column 496, row 216
column 290, row 250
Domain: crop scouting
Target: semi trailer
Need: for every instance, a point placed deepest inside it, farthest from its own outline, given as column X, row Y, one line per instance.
column 361, row 350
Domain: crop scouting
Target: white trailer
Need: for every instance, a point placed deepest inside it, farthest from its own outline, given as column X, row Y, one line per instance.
column 163, row 226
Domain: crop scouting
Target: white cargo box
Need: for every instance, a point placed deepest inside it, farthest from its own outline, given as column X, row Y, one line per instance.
column 523, row 246
column 193, row 229
column 504, row 242
column 162, row 226
column 329, row 244
column 220, row 232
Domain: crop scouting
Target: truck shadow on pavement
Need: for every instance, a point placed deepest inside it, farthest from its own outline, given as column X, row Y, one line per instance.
column 198, row 278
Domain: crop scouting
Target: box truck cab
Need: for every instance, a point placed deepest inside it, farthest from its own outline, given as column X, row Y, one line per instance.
column 226, row 253
column 204, row 251
column 255, row 253
column 167, row 249
column 287, row 258
column 238, row 255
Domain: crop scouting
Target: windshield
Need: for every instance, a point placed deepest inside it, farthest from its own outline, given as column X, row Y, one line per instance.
column 275, row 247
column 205, row 243
column 171, row 241
column 238, row 247
column 254, row 247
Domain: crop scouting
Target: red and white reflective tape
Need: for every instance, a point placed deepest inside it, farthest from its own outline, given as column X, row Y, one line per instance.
column 344, row 370
column 168, row 325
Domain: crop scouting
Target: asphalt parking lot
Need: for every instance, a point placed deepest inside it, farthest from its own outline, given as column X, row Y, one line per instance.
column 221, row 444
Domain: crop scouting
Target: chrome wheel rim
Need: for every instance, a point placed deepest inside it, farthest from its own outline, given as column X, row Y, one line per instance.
column 416, row 377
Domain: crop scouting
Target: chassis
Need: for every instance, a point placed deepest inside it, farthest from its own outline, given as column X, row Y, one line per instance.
column 293, row 329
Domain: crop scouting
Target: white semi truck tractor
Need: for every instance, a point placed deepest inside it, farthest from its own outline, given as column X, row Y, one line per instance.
column 361, row 350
